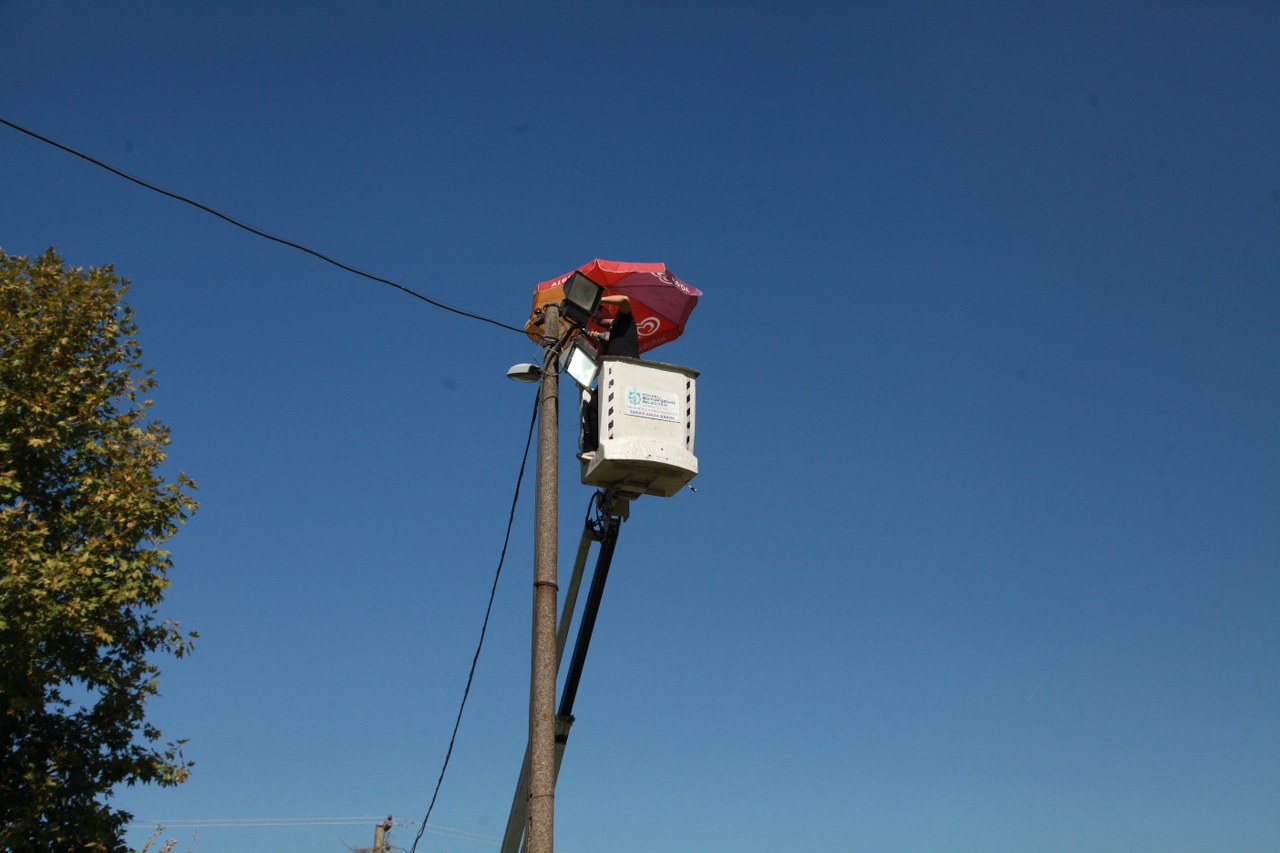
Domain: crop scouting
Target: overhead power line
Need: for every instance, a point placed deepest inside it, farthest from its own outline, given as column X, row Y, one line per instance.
column 208, row 823
column 290, row 822
column 451, row 832
column 252, row 230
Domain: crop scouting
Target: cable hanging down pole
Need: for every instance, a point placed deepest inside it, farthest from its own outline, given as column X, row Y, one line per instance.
column 475, row 659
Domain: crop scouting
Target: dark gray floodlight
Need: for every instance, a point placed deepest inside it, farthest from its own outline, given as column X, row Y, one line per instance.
column 581, row 298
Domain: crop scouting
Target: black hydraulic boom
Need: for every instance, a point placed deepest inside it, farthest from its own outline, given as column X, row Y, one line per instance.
column 604, row 518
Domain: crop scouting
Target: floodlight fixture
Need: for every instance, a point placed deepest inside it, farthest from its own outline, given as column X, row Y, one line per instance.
column 581, row 298
column 579, row 360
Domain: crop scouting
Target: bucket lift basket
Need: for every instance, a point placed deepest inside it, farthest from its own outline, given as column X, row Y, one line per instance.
column 646, row 412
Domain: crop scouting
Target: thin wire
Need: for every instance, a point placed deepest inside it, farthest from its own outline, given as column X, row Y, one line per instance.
column 456, row 834
column 484, row 626
column 240, row 823
column 252, row 230
column 213, row 820
column 234, row 823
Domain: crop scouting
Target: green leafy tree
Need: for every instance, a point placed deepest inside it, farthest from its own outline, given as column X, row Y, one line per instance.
column 83, row 511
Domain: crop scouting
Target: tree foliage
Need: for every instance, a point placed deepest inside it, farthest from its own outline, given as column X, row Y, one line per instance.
column 83, row 511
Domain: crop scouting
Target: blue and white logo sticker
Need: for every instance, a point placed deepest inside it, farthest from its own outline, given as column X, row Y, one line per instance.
column 644, row 403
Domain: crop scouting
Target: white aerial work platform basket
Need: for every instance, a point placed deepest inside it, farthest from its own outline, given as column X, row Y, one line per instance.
column 646, row 413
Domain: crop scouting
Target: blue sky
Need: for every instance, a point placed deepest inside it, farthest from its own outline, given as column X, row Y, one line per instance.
column 984, row 551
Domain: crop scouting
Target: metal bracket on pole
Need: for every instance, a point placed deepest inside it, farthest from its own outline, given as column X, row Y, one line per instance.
column 616, row 504
column 563, row 724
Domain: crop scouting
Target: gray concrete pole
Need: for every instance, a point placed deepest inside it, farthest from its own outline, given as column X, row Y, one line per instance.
column 539, row 835
column 380, row 835
column 518, row 818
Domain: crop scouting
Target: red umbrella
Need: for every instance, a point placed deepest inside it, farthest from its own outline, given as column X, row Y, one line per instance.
column 660, row 302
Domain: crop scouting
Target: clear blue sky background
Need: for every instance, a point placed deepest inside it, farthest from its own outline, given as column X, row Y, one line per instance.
column 984, row 553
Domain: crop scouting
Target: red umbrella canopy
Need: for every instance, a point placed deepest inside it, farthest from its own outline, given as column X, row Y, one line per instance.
column 660, row 302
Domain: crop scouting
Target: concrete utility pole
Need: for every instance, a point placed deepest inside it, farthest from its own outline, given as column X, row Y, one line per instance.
column 380, row 831
column 539, row 834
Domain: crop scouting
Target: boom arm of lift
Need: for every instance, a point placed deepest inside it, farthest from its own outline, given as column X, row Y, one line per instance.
column 604, row 518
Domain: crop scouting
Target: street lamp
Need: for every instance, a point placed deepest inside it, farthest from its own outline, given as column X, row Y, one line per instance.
column 524, row 372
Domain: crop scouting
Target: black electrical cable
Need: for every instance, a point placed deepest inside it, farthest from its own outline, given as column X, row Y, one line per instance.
column 484, row 627
column 252, row 230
